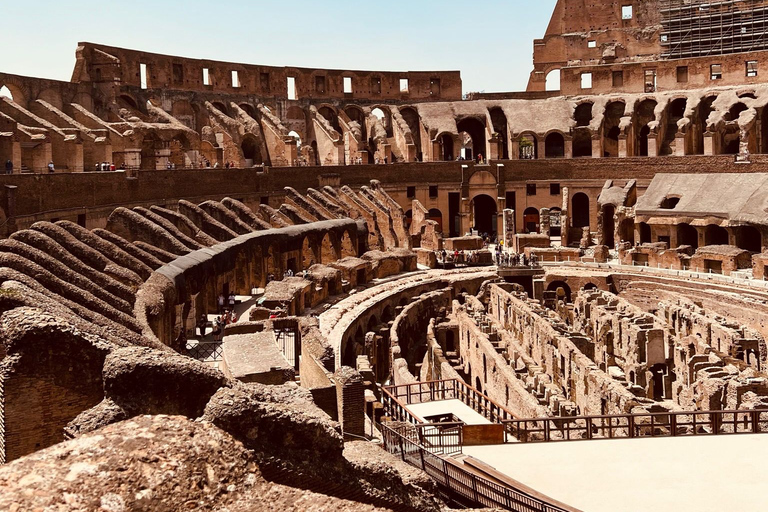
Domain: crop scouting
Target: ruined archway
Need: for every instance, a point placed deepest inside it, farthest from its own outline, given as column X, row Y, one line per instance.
column 476, row 130
column 582, row 142
column 580, row 210
column 644, row 115
column 611, row 131
column 627, row 231
column 554, row 145
column 411, row 118
column 687, row 235
column 347, row 247
column 645, row 233
column 583, row 114
column 675, row 112
column 446, row 146
column 748, row 238
column 552, row 80
column 561, row 289
column 328, row 250
column 703, row 110
column 715, row 235
column 531, row 220
column 330, row 115
column 436, row 215
column 609, row 225
column 251, row 152
column 529, row 147
column 499, row 121
column 484, row 210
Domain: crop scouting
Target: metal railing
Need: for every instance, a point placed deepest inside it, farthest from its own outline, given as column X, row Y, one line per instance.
column 396, row 398
column 204, row 350
column 457, row 482
column 628, row 426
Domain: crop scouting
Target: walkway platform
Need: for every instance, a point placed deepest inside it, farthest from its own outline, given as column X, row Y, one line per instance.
column 456, row 407
column 704, row 473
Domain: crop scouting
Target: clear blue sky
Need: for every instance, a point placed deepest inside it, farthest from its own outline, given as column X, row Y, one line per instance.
column 489, row 41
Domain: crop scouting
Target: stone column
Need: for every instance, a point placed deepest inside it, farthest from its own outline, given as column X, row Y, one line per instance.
column 622, row 146
column 509, row 227
column 350, row 399
column 544, row 221
column 709, row 143
column 565, row 223
column 597, row 147
column 568, row 147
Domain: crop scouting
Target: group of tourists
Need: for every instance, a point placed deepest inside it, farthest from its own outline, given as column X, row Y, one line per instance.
column 228, row 317
column 511, row 259
column 108, row 166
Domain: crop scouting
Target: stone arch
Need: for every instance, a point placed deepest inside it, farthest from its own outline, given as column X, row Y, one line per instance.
column 436, row 215
column 308, row 253
column 329, row 249
column 580, row 210
column 221, row 106
column 13, row 91
column 715, row 235
column 251, row 151
column 356, row 114
column 476, row 130
column 614, row 111
column 484, row 209
column 554, row 145
column 644, row 115
column 445, row 140
column 645, row 233
column 582, row 143
column 347, row 247
column 529, row 146
column 675, row 112
column 329, row 113
column 413, row 120
column 248, row 109
column 272, row 263
column 552, row 80
column 583, row 114
column 700, row 125
column 687, row 235
column 531, row 220
column 499, row 122
column 748, row 238
column 384, row 115
column 627, row 231
column 609, row 225
column 562, row 290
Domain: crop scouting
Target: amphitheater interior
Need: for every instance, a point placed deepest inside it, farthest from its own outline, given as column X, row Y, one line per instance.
column 237, row 287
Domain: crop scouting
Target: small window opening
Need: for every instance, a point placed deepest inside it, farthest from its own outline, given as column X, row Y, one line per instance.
column 530, row 189
column 591, row 43
column 626, row 12
column 586, row 80
column 143, row 75
column 433, row 191
column 206, row 77
column 554, row 189
column 404, row 85
column 682, row 74
column 751, row 68
column 347, row 85
column 617, row 78
column 715, row 71
column 410, row 192
column 235, row 79
column 291, row 88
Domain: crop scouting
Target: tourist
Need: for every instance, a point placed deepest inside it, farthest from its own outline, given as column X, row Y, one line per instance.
column 480, row 159
column 8, row 167
column 218, row 326
column 112, row 167
column 231, row 300
column 289, row 273
column 220, row 301
column 216, row 165
column 226, row 165
column 50, row 167
column 202, row 324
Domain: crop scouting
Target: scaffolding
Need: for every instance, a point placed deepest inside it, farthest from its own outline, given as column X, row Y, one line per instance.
column 695, row 28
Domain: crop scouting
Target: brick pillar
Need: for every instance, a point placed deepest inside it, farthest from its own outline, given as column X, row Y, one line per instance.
column 350, row 398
